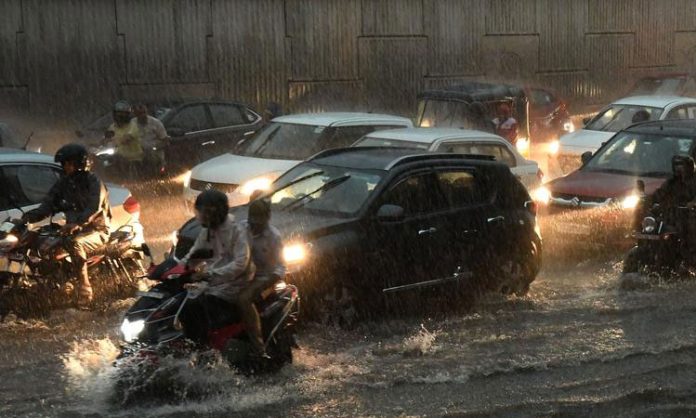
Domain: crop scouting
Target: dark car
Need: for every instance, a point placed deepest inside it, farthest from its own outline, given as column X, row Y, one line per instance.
column 541, row 115
column 199, row 129
column 367, row 224
column 676, row 84
column 596, row 202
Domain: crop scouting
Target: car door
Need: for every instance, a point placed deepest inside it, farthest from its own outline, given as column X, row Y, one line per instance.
column 233, row 123
column 405, row 251
column 189, row 129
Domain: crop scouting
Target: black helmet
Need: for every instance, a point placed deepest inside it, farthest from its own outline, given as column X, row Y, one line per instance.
column 684, row 161
column 75, row 153
column 122, row 112
column 213, row 206
column 259, row 212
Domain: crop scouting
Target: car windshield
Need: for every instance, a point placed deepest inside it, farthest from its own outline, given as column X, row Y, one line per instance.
column 285, row 141
column 640, row 154
column 385, row 142
column 337, row 190
column 619, row 117
column 444, row 114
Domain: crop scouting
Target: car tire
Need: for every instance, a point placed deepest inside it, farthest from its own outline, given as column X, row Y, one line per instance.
column 518, row 273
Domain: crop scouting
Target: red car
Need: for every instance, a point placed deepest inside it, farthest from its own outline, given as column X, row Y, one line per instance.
column 597, row 201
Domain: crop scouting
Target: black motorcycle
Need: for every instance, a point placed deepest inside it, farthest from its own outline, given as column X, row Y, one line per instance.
column 153, row 326
column 36, row 261
column 661, row 247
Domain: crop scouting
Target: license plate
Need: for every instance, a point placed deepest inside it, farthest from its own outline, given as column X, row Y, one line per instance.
column 572, row 229
column 154, row 295
column 649, row 237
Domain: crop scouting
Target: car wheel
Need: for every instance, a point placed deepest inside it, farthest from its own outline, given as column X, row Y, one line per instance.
column 519, row 273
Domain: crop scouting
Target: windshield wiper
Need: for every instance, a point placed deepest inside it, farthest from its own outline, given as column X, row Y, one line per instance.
column 610, row 170
column 326, row 186
column 654, row 174
column 266, row 142
column 299, row 179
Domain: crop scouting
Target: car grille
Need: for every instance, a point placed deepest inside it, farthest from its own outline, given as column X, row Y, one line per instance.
column 201, row 186
column 586, row 199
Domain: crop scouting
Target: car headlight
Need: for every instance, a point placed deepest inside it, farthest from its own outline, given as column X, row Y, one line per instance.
column 106, row 151
column 630, row 201
column 522, row 145
column 8, row 243
column 187, row 179
column 554, row 146
column 131, row 330
column 541, row 195
column 649, row 225
column 258, row 183
column 569, row 126
column 295, row 253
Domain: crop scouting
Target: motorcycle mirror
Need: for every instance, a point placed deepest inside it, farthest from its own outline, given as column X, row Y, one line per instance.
column 640, row 186
column 146, row 250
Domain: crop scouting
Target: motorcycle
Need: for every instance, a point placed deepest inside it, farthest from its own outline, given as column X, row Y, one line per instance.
column 106, row 162
column 152, row 327
column 36, row 259
column 661, row 248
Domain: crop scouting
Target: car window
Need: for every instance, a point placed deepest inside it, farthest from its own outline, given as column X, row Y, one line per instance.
column 416, row 195
column 250, row 116
column 347, row 135
column 29, row 184
column 500, row 152
column 190, row 119
column 540, row 97
column 460, row 188
column 683, row 112
column 226, row 115
column 286, row 141
column 619, row 117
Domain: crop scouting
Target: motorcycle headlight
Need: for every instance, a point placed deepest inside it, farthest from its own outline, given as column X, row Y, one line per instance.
column 522, row 145
column 106, row 151
column 630, row 201
column 258, row 183
column 649, row 225
column 131, row 330
column 295, row 253
column 8, row 242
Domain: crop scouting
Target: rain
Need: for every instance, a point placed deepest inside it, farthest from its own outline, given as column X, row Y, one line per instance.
column 565, row 121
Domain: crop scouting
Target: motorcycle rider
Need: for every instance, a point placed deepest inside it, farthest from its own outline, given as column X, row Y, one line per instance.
column 679, row 190
column 266, row 253
column 227, row 272
column 83, row 198
column 125, row 135
column 153, row 136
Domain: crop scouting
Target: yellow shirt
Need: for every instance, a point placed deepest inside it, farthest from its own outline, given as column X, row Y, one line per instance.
column 127, row 141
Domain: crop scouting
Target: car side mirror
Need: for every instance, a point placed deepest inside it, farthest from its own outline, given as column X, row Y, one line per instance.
column 390, row 213
column 640, row 186
column 176, row 132
column 586, row 157
column 586, row 120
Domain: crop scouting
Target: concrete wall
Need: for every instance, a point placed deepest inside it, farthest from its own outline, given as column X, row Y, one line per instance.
column 79, row 55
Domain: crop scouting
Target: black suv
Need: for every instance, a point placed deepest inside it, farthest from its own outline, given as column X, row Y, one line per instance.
column 199, row 128
column 369, row 224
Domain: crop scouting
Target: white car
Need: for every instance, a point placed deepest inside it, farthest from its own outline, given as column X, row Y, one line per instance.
column 279, row 146
column 27, row 177
column 614, row 118
column 460, row 141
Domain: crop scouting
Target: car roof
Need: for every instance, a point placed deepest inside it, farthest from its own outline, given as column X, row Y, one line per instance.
column 654, row 101
column 680, row 127
column 15, row 155
column 385, row 158
column 339, row 118
column 430, row 135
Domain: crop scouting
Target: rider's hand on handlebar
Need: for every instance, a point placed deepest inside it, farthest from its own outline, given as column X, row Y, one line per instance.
column 199, row 276
column 69, row 229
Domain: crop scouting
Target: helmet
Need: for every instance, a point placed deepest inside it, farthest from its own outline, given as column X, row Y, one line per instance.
column 75, row 153
column 259, row 212
column 683, row 161
column 122, row 111
column 212, row 206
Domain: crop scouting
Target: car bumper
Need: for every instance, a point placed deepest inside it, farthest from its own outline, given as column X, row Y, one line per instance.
column 607, row 225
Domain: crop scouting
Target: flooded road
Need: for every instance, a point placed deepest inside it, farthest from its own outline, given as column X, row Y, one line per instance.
column 575, row 346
